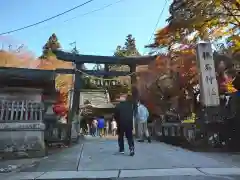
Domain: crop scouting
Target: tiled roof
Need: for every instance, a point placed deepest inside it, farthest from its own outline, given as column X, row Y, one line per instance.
column 27, row 74
column 98, row 99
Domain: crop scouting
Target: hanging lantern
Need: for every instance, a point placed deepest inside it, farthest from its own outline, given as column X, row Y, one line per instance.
column 59, row 109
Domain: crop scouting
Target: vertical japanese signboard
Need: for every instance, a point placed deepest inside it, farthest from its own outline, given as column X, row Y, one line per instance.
column 208, row 82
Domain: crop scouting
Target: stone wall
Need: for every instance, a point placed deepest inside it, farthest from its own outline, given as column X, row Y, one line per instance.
column 21, row 123
column 18, row 140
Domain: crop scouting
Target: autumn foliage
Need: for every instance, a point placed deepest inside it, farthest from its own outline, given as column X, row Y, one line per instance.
column 203, row 20
column 154, row 81
column 64, row 82
column 189, row 22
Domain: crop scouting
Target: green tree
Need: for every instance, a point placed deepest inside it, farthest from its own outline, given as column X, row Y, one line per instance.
column 51, row 45
column 119, row 52
column 129, row 48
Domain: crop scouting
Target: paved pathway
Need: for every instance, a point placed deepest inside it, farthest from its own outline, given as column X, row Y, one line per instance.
column 97, row 158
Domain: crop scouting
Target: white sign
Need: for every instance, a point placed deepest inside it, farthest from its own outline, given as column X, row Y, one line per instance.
column 208, row 83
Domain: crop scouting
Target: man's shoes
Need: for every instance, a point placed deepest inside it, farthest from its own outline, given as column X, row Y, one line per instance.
column 140, row 140
column 132, row 153
column 121, row 151
column 149, row 140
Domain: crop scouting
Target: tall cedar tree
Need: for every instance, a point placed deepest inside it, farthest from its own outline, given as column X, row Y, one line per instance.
column 129, row 48
column 52, row 44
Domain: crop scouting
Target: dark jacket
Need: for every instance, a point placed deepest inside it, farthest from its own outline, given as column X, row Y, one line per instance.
column 124, row 114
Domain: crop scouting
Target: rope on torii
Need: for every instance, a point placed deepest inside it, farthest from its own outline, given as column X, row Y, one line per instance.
column 103, row 81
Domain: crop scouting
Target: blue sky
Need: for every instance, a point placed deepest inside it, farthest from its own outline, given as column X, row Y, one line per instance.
column 97, row 33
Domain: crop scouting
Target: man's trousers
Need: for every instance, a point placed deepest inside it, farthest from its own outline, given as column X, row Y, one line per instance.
column 129, row 135
column 143, row 130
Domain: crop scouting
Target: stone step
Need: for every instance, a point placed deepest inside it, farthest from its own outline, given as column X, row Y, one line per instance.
column 201, row 173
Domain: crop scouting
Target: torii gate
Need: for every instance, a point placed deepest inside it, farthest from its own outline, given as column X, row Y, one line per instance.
column 79, row 60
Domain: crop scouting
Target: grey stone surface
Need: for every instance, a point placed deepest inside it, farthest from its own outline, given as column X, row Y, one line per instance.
column 187, row 174
column 99, row 155
column 230, row 158
column 221, row 171
column 161, row 172
column 64, row 160
column 78, row 175
column 23, row 176
column 13, row 165
column 97, row 158
column 185, row 178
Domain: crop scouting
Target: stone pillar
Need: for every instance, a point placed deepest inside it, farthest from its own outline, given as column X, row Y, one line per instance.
column 76, row 91
column 73, row 132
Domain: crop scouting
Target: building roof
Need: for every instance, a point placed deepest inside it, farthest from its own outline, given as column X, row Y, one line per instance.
column 29, row 74
column 97, row 98
column 27, row 77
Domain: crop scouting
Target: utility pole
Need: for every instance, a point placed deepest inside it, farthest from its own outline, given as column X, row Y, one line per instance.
column 74, row 49
column 73, row 44
column 19, row 48
column 9, row 47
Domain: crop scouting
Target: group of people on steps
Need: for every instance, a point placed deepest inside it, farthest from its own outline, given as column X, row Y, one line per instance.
column 100, row 127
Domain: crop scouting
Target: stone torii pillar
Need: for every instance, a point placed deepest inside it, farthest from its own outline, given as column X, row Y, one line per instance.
column 135, row 97
column 78, row 83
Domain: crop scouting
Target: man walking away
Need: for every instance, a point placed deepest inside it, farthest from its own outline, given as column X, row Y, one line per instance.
column 114, row 127
column 142, row 118
column 124, row 118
